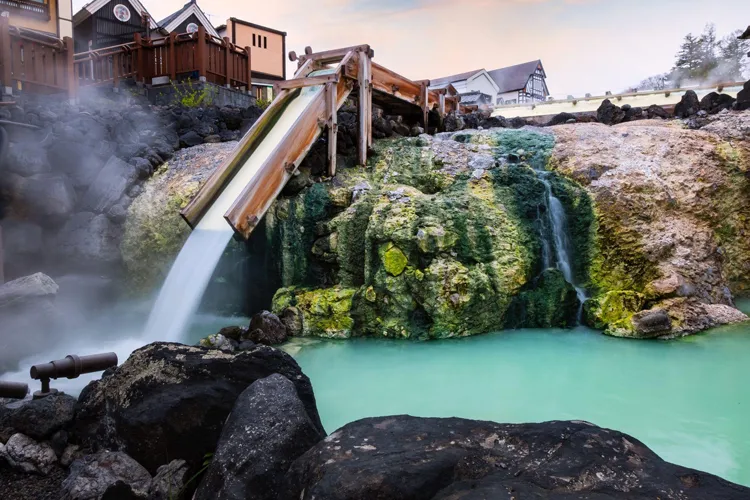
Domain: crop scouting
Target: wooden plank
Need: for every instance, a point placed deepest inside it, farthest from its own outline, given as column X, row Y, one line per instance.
column 193, row 212
column 227, row 60
column 304, row 69
column 332, row 56
column 309, row 81
column 173, row 56
column 362, row 105
column 424, row 102
column 389, row 82
column 201, row 53
column 368, row 99
column 273, row 175
column 5, row 46
column 249, row 70
column 333, row 126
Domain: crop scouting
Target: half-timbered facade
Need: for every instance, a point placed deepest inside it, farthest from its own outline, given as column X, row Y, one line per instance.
column 521, row 83
column 106, row 23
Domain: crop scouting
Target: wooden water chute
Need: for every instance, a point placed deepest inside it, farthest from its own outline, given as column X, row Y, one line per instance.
column 352, row 69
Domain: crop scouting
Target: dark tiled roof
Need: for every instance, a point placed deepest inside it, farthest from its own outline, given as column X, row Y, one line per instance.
column 473, row 98
column 437, row 82
column 164, row 22
column 514, row 77
column 746, row 34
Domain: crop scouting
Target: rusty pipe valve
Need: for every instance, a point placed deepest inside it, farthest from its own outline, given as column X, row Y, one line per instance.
column 71, row 367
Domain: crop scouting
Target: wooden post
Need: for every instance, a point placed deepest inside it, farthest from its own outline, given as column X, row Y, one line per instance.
column 71, row 74
column 228, row 60
column 249, row 71
column 6, row 56
column 173, row 56
column 441, row 105
column 116, row 71
column 200, row 55
column 333, row 125
column 369, row 99
column 364, row 84
column 424, row 97
column 139, row 59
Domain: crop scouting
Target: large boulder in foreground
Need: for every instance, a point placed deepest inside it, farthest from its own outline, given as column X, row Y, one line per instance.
column 428, row 458
column 106, row 475
column 267, row 430
column 170, row 401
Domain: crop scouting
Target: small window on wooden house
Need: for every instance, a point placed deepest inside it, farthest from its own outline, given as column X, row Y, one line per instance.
column 265, row 42
column 253, row 39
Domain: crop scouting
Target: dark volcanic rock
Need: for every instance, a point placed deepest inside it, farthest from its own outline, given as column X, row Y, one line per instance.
column 714, row 102
column 170, row 401
column 190, row 139
column 561, row 118
column 266, row 328
column 106, row 475
column 267, row 430
column 609, row 114
column 27, row 160
column 169, row 481
column 426, row 458
column 517, row 122
column 88, row 240
column 110, row 184
column 38, row 418
column 493, row 122
column 49, row 198
column 688, row 105
column 743, row 98
column 655, row 111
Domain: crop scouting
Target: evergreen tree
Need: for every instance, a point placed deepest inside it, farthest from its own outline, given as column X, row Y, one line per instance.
column 688, row 59
column 708, row 47
column 733, row 55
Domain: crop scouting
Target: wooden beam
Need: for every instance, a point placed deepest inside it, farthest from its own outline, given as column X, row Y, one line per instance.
column 424, row 102
column 273, row 175
column 362, row 98
column 389, row 82
column 193, row 212
column 227, row 45
column 6, row 58
column 249, row 70
column 333, row 125
column 309, row 81
column 173, row 56
column 70, row 73
column 201, row 53
column 332, row 56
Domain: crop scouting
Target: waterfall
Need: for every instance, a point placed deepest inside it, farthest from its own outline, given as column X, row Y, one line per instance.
column 558, row 223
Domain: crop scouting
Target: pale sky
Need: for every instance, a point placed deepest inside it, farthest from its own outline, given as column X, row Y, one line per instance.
column 585, row 45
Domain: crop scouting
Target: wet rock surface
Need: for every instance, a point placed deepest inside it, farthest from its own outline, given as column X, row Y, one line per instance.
column 38, row 418
column 266, row 328
column 408, row 457
column 106, row 475
column 131, row 409
column 267, row 430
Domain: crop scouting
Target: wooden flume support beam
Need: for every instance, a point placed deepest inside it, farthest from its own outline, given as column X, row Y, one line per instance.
column 258, row 195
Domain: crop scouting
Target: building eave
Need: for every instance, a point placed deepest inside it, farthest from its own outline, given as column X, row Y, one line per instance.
column 257, row 26
column 186, row 13
column 92, row 8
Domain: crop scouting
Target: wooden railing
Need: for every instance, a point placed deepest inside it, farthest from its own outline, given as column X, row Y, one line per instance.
column 40, row 64
column 197, row 55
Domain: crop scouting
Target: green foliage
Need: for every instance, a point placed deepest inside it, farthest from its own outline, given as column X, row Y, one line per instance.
column 262, row 103
column 706, row 59
column 190, row 96
column 207, row 458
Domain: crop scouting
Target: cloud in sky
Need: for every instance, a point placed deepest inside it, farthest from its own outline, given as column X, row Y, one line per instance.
column 585, row 45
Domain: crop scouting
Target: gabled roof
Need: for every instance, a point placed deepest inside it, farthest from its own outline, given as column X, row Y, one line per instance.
column 173, row 21
column 439, row 82
column 92, row 8
column 515, row 77
column 474, row 97
column 746, row 34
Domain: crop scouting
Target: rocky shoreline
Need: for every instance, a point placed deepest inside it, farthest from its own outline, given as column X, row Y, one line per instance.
column 174, row 419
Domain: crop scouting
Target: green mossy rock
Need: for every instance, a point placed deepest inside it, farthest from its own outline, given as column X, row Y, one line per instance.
column 613, row 312
column 551, row 302
column 325, row 313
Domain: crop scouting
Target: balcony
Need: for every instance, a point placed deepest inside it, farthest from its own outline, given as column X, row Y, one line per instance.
column 30, row 8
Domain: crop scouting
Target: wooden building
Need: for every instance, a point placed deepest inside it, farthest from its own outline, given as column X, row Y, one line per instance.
column 186, row 20
column 512, row 85
column 49, row 17
column 106, row 23
column 268, row 49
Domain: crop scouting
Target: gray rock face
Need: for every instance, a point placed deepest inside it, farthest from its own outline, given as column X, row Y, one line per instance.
column 429, row 458
column 134, row 408
column 652, row 323
column 27, row 160
column 28, row 288
column 26, row 455
column 110, row 184
column 267, row 430
column 169, row 481
column 106, row 475
column 49, row 198
column 88, row 239
column 38, row 418
column 79, row 161
column 21, row 239
column 266, row 328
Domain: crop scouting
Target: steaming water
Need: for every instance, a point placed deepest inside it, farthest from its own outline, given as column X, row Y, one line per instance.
column 190, row 274
column 687, row 399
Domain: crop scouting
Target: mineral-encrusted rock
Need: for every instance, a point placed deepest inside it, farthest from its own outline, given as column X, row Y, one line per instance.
column 170, row 401
column 170, row 481
column 110, row 184
column 688, row 106
column 89, row 242
column 551, row 302
column 267, row 430
column 106, row 475
column 38, row 418
column 408, row 457
column 26, row 455
column 266, row 328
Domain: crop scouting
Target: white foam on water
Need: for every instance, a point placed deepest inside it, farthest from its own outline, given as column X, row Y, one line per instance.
column 190, row 274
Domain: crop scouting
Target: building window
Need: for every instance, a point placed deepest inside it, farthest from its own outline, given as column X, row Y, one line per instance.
column 253, row 39
column 265, row 42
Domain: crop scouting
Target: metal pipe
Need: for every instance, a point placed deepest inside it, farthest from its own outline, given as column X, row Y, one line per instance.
column 73, row 366
column 13, row 390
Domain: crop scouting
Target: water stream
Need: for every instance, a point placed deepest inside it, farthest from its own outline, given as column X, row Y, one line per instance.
column 190, row 274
